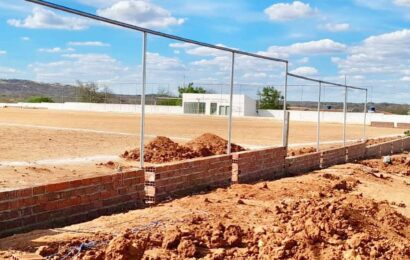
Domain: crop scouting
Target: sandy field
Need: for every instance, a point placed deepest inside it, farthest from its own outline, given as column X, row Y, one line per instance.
column 351, row 211
column 36, row 143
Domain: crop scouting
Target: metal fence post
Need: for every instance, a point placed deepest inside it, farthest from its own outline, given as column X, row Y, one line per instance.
column 344, row 117
column 365, row 118
column 230, row 105
column 318, row 117
column 284, row 131
column 144, row 70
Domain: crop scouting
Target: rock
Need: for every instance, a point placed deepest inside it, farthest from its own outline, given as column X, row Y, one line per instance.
column 122, row 248
column 44, row 251
column 171, row 239
column 259, row 230
column 233, row 235
column 186, row 248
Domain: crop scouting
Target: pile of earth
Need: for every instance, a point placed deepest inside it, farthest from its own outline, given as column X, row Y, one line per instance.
column 163, row 149
column 399, row 164
column 381, row 140
column 329, row 224
column 301, row 151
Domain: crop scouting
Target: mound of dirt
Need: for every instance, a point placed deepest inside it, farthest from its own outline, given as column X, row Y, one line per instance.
column 301, row 151
column 381, row 140
column 210, row 144
column 400, row 164
column 162, row 149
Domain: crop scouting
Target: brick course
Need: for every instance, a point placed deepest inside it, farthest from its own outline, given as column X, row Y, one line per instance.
column 181, row 178
column 382, row 124
column 403, row 125
column 251, row 166
column 355, row 152
column 333, row 157
column 69, row 202
column 303, row 163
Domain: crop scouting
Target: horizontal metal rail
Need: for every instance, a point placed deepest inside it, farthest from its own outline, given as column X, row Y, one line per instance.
column 141, row 29
column 323, row 82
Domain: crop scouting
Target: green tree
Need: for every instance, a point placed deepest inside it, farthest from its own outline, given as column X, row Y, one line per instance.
column 190, row 89
column 270, row 98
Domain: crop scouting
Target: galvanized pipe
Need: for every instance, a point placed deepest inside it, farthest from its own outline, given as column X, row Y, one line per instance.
column 230, row 105
column 365, row 118
column 144, row 82
column 318, row 117
column 153, row 32
column 324, row 82
column 285, row 96
column 344, row 117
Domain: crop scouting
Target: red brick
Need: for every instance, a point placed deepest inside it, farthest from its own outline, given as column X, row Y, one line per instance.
column 57, row 187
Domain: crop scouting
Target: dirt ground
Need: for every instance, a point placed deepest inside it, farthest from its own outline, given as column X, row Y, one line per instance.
column 38, row 134
column 351, row 211
column 40, row 146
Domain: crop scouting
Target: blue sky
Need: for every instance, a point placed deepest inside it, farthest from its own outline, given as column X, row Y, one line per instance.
column 368, row 41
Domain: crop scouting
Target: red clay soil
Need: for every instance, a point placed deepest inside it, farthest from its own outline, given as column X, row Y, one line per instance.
column 400, row 164
column 162, row 149
column 381, row 140
column 301, row 151
column 331, row 222
column 210, row 144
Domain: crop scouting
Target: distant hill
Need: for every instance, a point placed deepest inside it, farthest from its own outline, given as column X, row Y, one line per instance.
column 16, row 90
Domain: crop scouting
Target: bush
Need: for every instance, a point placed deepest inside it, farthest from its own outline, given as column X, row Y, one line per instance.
column 39, row 99
column 407, row 132
column 170, row 102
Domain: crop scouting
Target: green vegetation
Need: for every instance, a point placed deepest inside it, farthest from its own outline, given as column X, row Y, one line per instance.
column 39, row 99
column 190, row 89
column 169, row 102
column 270, row 98
column 407, row 132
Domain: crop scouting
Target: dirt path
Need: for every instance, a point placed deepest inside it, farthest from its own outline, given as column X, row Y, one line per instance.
column 335, row 213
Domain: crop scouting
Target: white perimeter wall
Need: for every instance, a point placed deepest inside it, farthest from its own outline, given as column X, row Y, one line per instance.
column 335, row 117
column 307, row 116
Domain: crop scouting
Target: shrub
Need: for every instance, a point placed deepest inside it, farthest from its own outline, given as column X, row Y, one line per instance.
column 407, row 132
column 39, row 99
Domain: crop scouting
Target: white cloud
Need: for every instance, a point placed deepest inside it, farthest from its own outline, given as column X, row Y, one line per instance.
column 45, row 19
column 55, row 50
column 305, row 71
column 25, row 38
column 3, row 52
column 196, row 50
column 402, row 2
column 141, row 13
column 286, row 12
column 89, row 43
column 337, row 27
column 325, row 46
column 303, row 60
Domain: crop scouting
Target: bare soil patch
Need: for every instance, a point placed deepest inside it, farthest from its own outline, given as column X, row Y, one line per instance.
column 323, row 215
column 397, row 164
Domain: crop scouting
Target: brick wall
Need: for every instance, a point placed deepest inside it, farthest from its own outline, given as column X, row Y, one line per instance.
column 181, row 178
column 372, row 151
column 397, row 146
column 251, row 166
column 403, row 125
column 406, row 144
column 385, row 148
column 303, row 163
column 355, row 152
column 333, row 157
column 382, row 124
column 69, row 202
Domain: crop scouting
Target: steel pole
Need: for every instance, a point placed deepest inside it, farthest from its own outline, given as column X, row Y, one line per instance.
column 230, row 105
column 365, row 118
column 344, row 117
column 318, row 117
column 144, row 79
column 284, row 132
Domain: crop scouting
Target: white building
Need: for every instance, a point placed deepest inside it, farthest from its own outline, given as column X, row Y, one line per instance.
column 218, row 104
